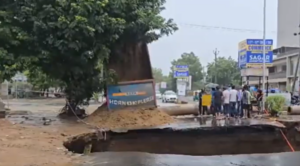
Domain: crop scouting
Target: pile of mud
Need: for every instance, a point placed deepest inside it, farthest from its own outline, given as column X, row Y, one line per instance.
column 129, row 118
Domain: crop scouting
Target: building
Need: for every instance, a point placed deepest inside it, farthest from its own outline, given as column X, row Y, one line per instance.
column 288, row 18
column 285, row 56
column 282, row 72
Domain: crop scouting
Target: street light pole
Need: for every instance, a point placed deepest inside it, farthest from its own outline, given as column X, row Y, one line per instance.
column 264, row 51
column 216, row 53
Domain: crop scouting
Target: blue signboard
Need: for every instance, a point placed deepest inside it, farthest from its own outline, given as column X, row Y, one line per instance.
column 259, row 42
column 181, row 74
column 258, row 57
column 242, row 61
column 131, row 95
column 251, row 53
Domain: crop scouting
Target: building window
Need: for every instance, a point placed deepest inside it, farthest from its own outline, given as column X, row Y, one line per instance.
column 272, row 70
column 283, row 68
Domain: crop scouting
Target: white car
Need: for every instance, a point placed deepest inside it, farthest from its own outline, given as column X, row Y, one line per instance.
column 169, row 96
column 158, row 95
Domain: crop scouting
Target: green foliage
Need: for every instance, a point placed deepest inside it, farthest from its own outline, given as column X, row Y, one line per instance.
column 225, row 70
column 41, row 81
column 11, row 38
column 198, row 85
column 96, row 96
column 158, row 75
column 275, row 103
column 66, row 40
column 195, row 67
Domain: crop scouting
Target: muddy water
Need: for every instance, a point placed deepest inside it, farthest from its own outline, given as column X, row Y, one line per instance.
column 146, row 159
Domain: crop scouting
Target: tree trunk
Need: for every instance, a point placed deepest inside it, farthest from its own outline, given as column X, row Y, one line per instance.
column 131, row 61
column 71, row 109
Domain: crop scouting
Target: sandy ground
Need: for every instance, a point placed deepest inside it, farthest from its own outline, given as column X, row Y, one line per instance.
column 29, row 142
column 24, row 145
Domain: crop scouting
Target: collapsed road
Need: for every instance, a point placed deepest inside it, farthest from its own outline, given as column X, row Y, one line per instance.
column 201, row 136
column 186, row 136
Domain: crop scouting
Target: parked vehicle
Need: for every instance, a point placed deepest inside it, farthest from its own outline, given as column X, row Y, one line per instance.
column 158, row 95
column 169, row 96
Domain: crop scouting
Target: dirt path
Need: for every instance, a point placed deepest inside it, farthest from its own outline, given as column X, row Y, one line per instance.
column 35, row 146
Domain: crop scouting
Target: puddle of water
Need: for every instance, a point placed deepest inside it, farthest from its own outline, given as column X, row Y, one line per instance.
column 146, row 159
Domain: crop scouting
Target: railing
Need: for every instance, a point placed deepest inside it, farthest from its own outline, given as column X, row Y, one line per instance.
column 275, row 75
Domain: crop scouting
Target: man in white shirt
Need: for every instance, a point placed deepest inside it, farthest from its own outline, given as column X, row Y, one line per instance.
column 226, row 101
column 233, row 98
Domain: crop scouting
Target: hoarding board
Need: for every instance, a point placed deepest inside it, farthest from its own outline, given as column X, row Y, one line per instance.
column 131, row 95
column 250, row 53
column 181, row 74
column 181, row 68
column 181, row 71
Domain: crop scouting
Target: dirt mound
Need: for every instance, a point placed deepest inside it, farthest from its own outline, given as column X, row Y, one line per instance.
column 129, row 118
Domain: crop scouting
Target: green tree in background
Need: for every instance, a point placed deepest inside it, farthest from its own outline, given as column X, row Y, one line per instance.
column 225, row 70
column 40, row 81
column 194, row 64
column 158, row 75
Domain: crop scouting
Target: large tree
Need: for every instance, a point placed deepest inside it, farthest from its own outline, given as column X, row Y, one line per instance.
column 68, row 39
column 225, row 71
column 194, row 65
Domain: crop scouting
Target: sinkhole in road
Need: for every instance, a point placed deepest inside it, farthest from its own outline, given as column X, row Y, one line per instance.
column 197, row 142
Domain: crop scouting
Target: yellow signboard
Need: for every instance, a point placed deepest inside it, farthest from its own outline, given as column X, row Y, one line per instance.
column 258, row 65
column 206, row 100
column 243, row 45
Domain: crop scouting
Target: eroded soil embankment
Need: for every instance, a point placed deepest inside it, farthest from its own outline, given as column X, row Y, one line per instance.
column 235, row 140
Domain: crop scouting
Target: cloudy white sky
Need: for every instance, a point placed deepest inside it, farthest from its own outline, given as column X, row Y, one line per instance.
column 197, row 20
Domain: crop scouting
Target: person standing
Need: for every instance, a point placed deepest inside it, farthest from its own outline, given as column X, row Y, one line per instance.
column 246, row 101
column 212, row 109
column 240, row 103
column 233, row 96
column 218, row 101
column 202, row 109
column 200, row 102
column 259, row 98
column 226, row 101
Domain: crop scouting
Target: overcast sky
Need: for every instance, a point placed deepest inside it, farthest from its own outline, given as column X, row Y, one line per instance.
column 197, row 21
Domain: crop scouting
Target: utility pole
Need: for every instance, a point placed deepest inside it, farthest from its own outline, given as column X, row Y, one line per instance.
column 264, row 50
column 297, row 66
column 216, row 53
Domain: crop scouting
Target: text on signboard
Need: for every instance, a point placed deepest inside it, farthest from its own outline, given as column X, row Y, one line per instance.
column 131, row 103
column 258, row 57
column 254, row 47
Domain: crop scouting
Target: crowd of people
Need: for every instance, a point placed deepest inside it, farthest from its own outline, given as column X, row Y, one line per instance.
column 231, row 101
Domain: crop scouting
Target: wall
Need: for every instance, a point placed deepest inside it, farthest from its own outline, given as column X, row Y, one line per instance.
column 288, row 22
